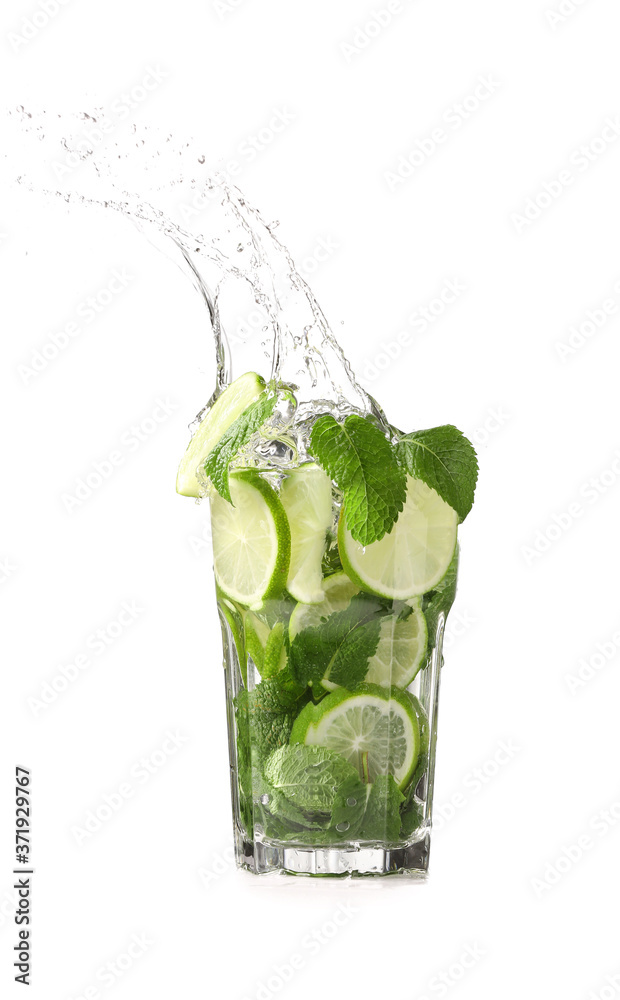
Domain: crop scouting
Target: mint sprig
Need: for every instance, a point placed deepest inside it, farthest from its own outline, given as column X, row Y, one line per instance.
column 360, row 460
column 341, row 646
column 445, row 460
column 236, row 437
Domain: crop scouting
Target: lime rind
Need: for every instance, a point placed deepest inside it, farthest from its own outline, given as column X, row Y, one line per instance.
column 337, row 593
column 306, row 495
column 413, row 557
column 251, row 541
column 375, row 728
column 402, row 649
column 218, row 418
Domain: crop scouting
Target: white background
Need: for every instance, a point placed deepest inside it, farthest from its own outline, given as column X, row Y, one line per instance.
column 540, row 920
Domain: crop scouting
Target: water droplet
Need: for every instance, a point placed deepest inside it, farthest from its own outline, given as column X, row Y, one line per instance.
column 351, row 802
column 264, row 799
column 343, row 827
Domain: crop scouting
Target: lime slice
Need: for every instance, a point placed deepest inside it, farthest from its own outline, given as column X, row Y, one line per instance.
column 251, row 540
column 337, row 593
column 414, row 556
column 375, row 729
column 401, row 649
column 225, row 410
column 306, row 496
column 265, row 645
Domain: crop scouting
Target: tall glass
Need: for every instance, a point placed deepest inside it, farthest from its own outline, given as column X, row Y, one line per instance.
column 366, row 809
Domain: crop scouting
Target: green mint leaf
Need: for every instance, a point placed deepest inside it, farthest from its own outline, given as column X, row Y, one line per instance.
column 360, row 459
column 271, row 710
column 382, row 817
column 445, row 460
column 340, row 647
column 235, row 438
column 309, row 777
column 411, row 818
column 439, row 601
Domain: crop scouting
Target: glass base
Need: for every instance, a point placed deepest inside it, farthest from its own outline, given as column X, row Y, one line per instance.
column 337, row 862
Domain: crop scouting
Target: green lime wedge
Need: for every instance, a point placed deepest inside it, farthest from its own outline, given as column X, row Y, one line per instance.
column 265, row 645
column 401, row 649
column 225, row 410
column 251, row 540
column 413, row 557
column 375, row 729
column 337, row 593
column 306, row 496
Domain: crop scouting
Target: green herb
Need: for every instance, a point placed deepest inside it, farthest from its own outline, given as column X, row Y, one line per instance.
column 271, row 709
column 411, row 818
column 310, row 788
column 341, row 646
column 445, row 460
column 359, row 458
column 439, row 601
column 235, row 438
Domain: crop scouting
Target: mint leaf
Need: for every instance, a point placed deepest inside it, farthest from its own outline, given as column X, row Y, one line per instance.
column 439, row 601
column 445, row 460
column 411, row 818
column 361, row 461
column 382, row 817
column 271, row 710
column 309, row 777
column 340, row 647
column 235, row 438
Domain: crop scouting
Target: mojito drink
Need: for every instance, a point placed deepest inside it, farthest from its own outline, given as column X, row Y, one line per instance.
column 335, row 557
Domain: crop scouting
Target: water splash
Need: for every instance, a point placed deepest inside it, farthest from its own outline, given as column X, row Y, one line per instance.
column 228, row 250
